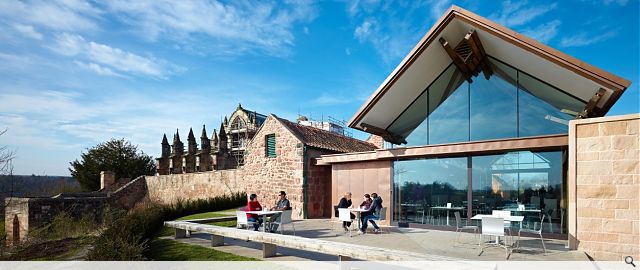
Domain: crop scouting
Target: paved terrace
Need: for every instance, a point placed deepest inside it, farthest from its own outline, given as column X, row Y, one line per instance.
column 440, row 243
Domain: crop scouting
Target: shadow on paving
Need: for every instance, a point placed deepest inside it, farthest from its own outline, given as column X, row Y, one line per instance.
column 281, row 251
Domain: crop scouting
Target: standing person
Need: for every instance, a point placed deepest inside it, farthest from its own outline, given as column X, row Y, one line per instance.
column 345, row 202
column 254, row 205
column 372, row 214
column 282, row 205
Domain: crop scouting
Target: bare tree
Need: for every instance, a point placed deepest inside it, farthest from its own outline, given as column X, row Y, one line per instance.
column 6, row 171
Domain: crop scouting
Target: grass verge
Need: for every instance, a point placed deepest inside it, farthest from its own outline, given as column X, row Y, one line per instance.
column 170, row 250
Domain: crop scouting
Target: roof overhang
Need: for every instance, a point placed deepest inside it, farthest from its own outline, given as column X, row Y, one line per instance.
column 597, row 88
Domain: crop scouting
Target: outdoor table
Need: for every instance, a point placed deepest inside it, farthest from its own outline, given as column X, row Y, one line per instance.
column 264, row 213
column 507, row 218
column 357, row 211
column 447, row 208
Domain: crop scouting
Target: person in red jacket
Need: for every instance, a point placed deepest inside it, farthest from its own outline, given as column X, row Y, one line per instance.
column 254, row 205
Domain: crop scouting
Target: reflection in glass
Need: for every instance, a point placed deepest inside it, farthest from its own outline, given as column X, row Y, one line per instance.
column 493, row 104
column 422, row 184
column 510, row 104
column 532, row 179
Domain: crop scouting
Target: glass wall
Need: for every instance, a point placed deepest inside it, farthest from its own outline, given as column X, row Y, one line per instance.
column 509, row 104
column 527, row 183
column 425, row 183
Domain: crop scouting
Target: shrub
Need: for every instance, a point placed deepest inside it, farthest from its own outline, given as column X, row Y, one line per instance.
column 128, row 238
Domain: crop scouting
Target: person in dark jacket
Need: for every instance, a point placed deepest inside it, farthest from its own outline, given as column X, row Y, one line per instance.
column 345, row 202
column 372, row 214
column 282, row 205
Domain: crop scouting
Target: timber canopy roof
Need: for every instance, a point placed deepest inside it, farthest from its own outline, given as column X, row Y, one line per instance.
column 477, row 37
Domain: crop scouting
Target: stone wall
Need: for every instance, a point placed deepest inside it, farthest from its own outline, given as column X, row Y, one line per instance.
column 604, row 186
column 168, row 189
column 36, row 212
column 318, row 186
column 266, row 176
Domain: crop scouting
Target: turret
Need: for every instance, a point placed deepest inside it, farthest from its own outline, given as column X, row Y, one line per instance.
column 222, row 137
column 193, row 146
column 166, row 148
column 178, row 147
column 205, row 143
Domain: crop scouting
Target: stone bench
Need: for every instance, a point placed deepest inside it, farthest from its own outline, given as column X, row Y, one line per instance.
column 270, row 242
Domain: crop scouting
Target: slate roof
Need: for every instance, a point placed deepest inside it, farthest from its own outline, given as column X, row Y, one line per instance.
column 327, row 140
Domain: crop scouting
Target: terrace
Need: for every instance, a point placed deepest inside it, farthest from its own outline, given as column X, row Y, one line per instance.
column 435, row 243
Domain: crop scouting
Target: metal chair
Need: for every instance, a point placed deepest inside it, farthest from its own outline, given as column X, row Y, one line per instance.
column 285, row 219
column 344, row 214
column 534, row 231
column 382, row 217
column 460, row 227
column 493, row 226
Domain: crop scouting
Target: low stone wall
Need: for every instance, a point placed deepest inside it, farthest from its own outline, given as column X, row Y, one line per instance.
column 604, row 186
column 27, row 213
column 168, row 189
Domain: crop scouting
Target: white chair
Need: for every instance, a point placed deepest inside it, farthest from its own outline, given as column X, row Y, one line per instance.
column 460, row 228
column 344, row 214
column 534, row 231
column 241, row 220
column 493, row 226
column 285, row 219
column 504, row 214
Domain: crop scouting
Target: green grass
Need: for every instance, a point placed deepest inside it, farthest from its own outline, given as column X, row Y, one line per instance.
column 208, row 214
column 166, row 231
column 169, row 250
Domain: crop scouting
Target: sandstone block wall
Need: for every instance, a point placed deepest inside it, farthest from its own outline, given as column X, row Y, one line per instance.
column 266, row 176
column 36, row 212
column 168, row 189
column 604, row 186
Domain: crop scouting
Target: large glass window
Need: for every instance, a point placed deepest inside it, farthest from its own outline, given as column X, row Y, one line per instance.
column 527, row 183
column 509, row 104
column 493, row 104
column 426, row 183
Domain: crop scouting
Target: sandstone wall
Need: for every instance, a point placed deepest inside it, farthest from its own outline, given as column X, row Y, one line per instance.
column 266, row 176
column 604, row 186
column 318, row 186
column 168, row 189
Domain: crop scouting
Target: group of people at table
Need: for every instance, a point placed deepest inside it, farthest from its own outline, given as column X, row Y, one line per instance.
column 253, row 205
column 372, row 205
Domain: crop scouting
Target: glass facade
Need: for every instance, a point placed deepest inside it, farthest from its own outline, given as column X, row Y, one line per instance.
column 428, row 191
column 509, row 104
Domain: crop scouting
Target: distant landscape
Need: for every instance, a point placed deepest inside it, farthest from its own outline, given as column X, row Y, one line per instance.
column 35, row 185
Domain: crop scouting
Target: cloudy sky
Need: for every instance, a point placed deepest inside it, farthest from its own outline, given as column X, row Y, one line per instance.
column 75, row 73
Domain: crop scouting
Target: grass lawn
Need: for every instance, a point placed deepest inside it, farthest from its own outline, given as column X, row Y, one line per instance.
column 166, row 231
column 169, row 250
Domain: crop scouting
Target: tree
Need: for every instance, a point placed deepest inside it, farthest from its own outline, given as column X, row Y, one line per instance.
column 118, row 156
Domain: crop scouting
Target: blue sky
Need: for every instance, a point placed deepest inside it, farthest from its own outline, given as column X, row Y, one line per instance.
column 74, row 73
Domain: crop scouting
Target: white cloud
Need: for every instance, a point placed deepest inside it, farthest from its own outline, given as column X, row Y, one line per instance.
column 584, row 39
column 66, row 15
column 113, row 58
column 439, row 7
column 237, row 27
column 363, row 31
column 619, row 2
column 27, row 31
column 328, row 99
column 543, row 32
column 98, row 69
column 516, row 13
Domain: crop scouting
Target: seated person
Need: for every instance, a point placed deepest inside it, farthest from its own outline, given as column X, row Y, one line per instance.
column 282, row 205
column 365, row 205
column 372, row 214
column 254, row 205
column 345, row 202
